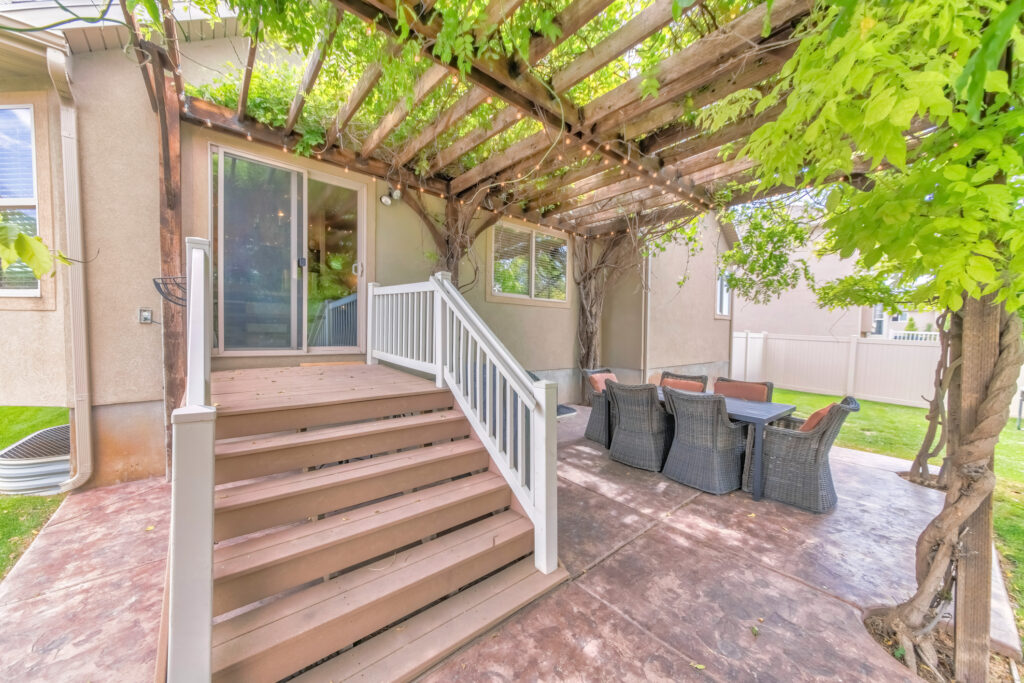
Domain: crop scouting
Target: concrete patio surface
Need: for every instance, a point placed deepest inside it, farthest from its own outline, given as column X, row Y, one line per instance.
column 673, row 584
column 668, row 583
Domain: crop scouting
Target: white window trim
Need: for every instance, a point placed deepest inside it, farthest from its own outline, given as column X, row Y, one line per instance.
column 25, row 202
column 722, row 311
column 531, row 299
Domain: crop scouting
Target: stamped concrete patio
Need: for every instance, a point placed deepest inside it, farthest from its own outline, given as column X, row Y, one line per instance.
column 668, row 583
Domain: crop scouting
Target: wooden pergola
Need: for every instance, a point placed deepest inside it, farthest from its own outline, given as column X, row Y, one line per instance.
column 633, row 161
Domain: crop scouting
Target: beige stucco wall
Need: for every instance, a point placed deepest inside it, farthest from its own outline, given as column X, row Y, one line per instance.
column 33, row 365
column 683, row 330
column 797, row 311
column 651, row 323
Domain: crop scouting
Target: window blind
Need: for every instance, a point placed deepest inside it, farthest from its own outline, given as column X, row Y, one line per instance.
column 19, row 276
column 16, row 179
column 552, row 257
column 511, row 261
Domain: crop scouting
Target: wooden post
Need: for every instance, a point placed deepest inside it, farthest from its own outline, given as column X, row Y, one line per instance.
column 172, row 315
column 371, row 315
column 981, row 322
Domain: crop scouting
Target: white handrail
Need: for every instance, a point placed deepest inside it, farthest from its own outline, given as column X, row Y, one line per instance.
column 190, row 547
column 431, row 328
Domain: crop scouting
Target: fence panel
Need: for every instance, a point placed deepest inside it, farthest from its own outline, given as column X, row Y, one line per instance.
column 892, row 371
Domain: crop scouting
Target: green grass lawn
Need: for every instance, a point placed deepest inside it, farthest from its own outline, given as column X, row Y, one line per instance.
column 17, row 422
column 898, row 431
column 21, row 517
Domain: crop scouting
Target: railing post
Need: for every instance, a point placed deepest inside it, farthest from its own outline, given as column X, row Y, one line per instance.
column 370, row 360
column 545, row 476
column 439, row 327
column 190, row 550
column 199, row 316
column 851, row 367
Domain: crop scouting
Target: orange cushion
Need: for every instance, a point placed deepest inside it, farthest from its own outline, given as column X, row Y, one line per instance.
column 683, row 384
column 751, row 391
column 814, row 418
column 597, row 381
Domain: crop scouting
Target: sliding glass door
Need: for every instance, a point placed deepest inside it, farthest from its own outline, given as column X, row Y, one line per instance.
column 289, row 271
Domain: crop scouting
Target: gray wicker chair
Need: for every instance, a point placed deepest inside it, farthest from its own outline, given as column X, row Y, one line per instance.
column 795, row 467
column 707, row 449
column 726, row 380
column 703, row 379
column 599, row 424
column 641, row 429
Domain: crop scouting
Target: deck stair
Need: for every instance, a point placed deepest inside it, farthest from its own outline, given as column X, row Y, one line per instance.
column 362, row 531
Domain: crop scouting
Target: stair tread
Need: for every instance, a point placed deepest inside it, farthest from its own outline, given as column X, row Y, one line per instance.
column 292, row 617
column 425, row 639
column 242, row 495
column 287, row 401
column 238, row 447
column 252, row 554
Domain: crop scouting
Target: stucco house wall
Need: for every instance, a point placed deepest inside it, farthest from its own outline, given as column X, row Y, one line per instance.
column 652, row 324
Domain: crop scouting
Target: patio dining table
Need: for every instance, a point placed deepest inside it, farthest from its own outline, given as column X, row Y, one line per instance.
column 757, row 414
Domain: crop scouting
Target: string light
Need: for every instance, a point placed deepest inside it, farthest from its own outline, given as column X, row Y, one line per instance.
column 248, row 136
column 209, row 124
column 490, row 99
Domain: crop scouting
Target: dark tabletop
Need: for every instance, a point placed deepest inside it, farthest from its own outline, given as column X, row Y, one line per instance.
column 752, row 411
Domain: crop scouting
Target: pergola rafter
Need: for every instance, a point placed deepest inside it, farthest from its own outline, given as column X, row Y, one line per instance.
column 621, row 148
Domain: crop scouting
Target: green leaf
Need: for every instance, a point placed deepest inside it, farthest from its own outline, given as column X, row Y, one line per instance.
column 678, row 6
column 879, row 106
column 34, row 253
column 972, row 81
column 766, row 27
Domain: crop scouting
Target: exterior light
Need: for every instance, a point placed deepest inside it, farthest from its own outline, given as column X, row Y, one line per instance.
column 385, row 199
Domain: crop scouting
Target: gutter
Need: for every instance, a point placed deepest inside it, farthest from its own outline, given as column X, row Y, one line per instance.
column 56, row 64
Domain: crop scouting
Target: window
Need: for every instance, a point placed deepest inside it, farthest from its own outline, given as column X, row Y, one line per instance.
column 899, row 318
column 18, row 201
column 723, row 297
column 529, row 264
column 878, row 319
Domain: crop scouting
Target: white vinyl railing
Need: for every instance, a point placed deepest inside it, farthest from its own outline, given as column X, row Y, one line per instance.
column 904, row 335
column 190, row 554
column 430, row 327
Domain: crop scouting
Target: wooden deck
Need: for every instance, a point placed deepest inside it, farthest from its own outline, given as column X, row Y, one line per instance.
column 269, row 389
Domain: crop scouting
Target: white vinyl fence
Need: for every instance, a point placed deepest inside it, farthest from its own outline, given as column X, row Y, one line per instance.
column 893, row 371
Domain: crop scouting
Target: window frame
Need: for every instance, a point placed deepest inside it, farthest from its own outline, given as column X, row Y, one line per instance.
column 722, row 313
column 26, row 203
column 530, row 299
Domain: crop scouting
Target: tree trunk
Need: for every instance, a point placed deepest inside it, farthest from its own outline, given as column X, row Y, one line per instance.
column 935, row 437
column 978, row 412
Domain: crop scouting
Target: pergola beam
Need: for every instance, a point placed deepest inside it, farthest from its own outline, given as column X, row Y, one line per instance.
column 522, row 90
column 507, row 118
column 364, row 86
column 243, row 90
column 313, row 66
column 216, row 117
column 472, row 99
column 630, row 34
column 425, row 84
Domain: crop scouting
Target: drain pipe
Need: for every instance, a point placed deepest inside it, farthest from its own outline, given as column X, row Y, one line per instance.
column 56, row 64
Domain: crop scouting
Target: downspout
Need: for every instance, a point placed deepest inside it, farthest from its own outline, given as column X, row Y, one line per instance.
column 646, row 309
column 56, row 64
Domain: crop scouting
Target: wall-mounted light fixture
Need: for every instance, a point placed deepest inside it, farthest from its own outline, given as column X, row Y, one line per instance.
column 393, row 195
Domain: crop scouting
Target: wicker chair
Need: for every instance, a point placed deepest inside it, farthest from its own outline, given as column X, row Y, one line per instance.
column 726, row 390
column 641, row 429
column 599, row 425
column 707, row 449
column 795, row 467
column 702, row 379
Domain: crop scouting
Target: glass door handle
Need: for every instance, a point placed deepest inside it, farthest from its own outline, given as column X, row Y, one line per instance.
column 357, row 268
column 302, row 262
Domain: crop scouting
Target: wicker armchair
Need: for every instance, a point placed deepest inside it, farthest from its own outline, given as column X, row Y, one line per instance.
column 707, row 449
column 735, row 388
column 702, row 379
column 599, row 425
column 795, row 466
column 641, row 429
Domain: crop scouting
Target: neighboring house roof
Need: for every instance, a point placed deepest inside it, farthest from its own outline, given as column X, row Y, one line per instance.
column 193, row 25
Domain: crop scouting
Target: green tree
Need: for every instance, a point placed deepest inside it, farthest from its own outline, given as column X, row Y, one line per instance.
column 908, row 119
